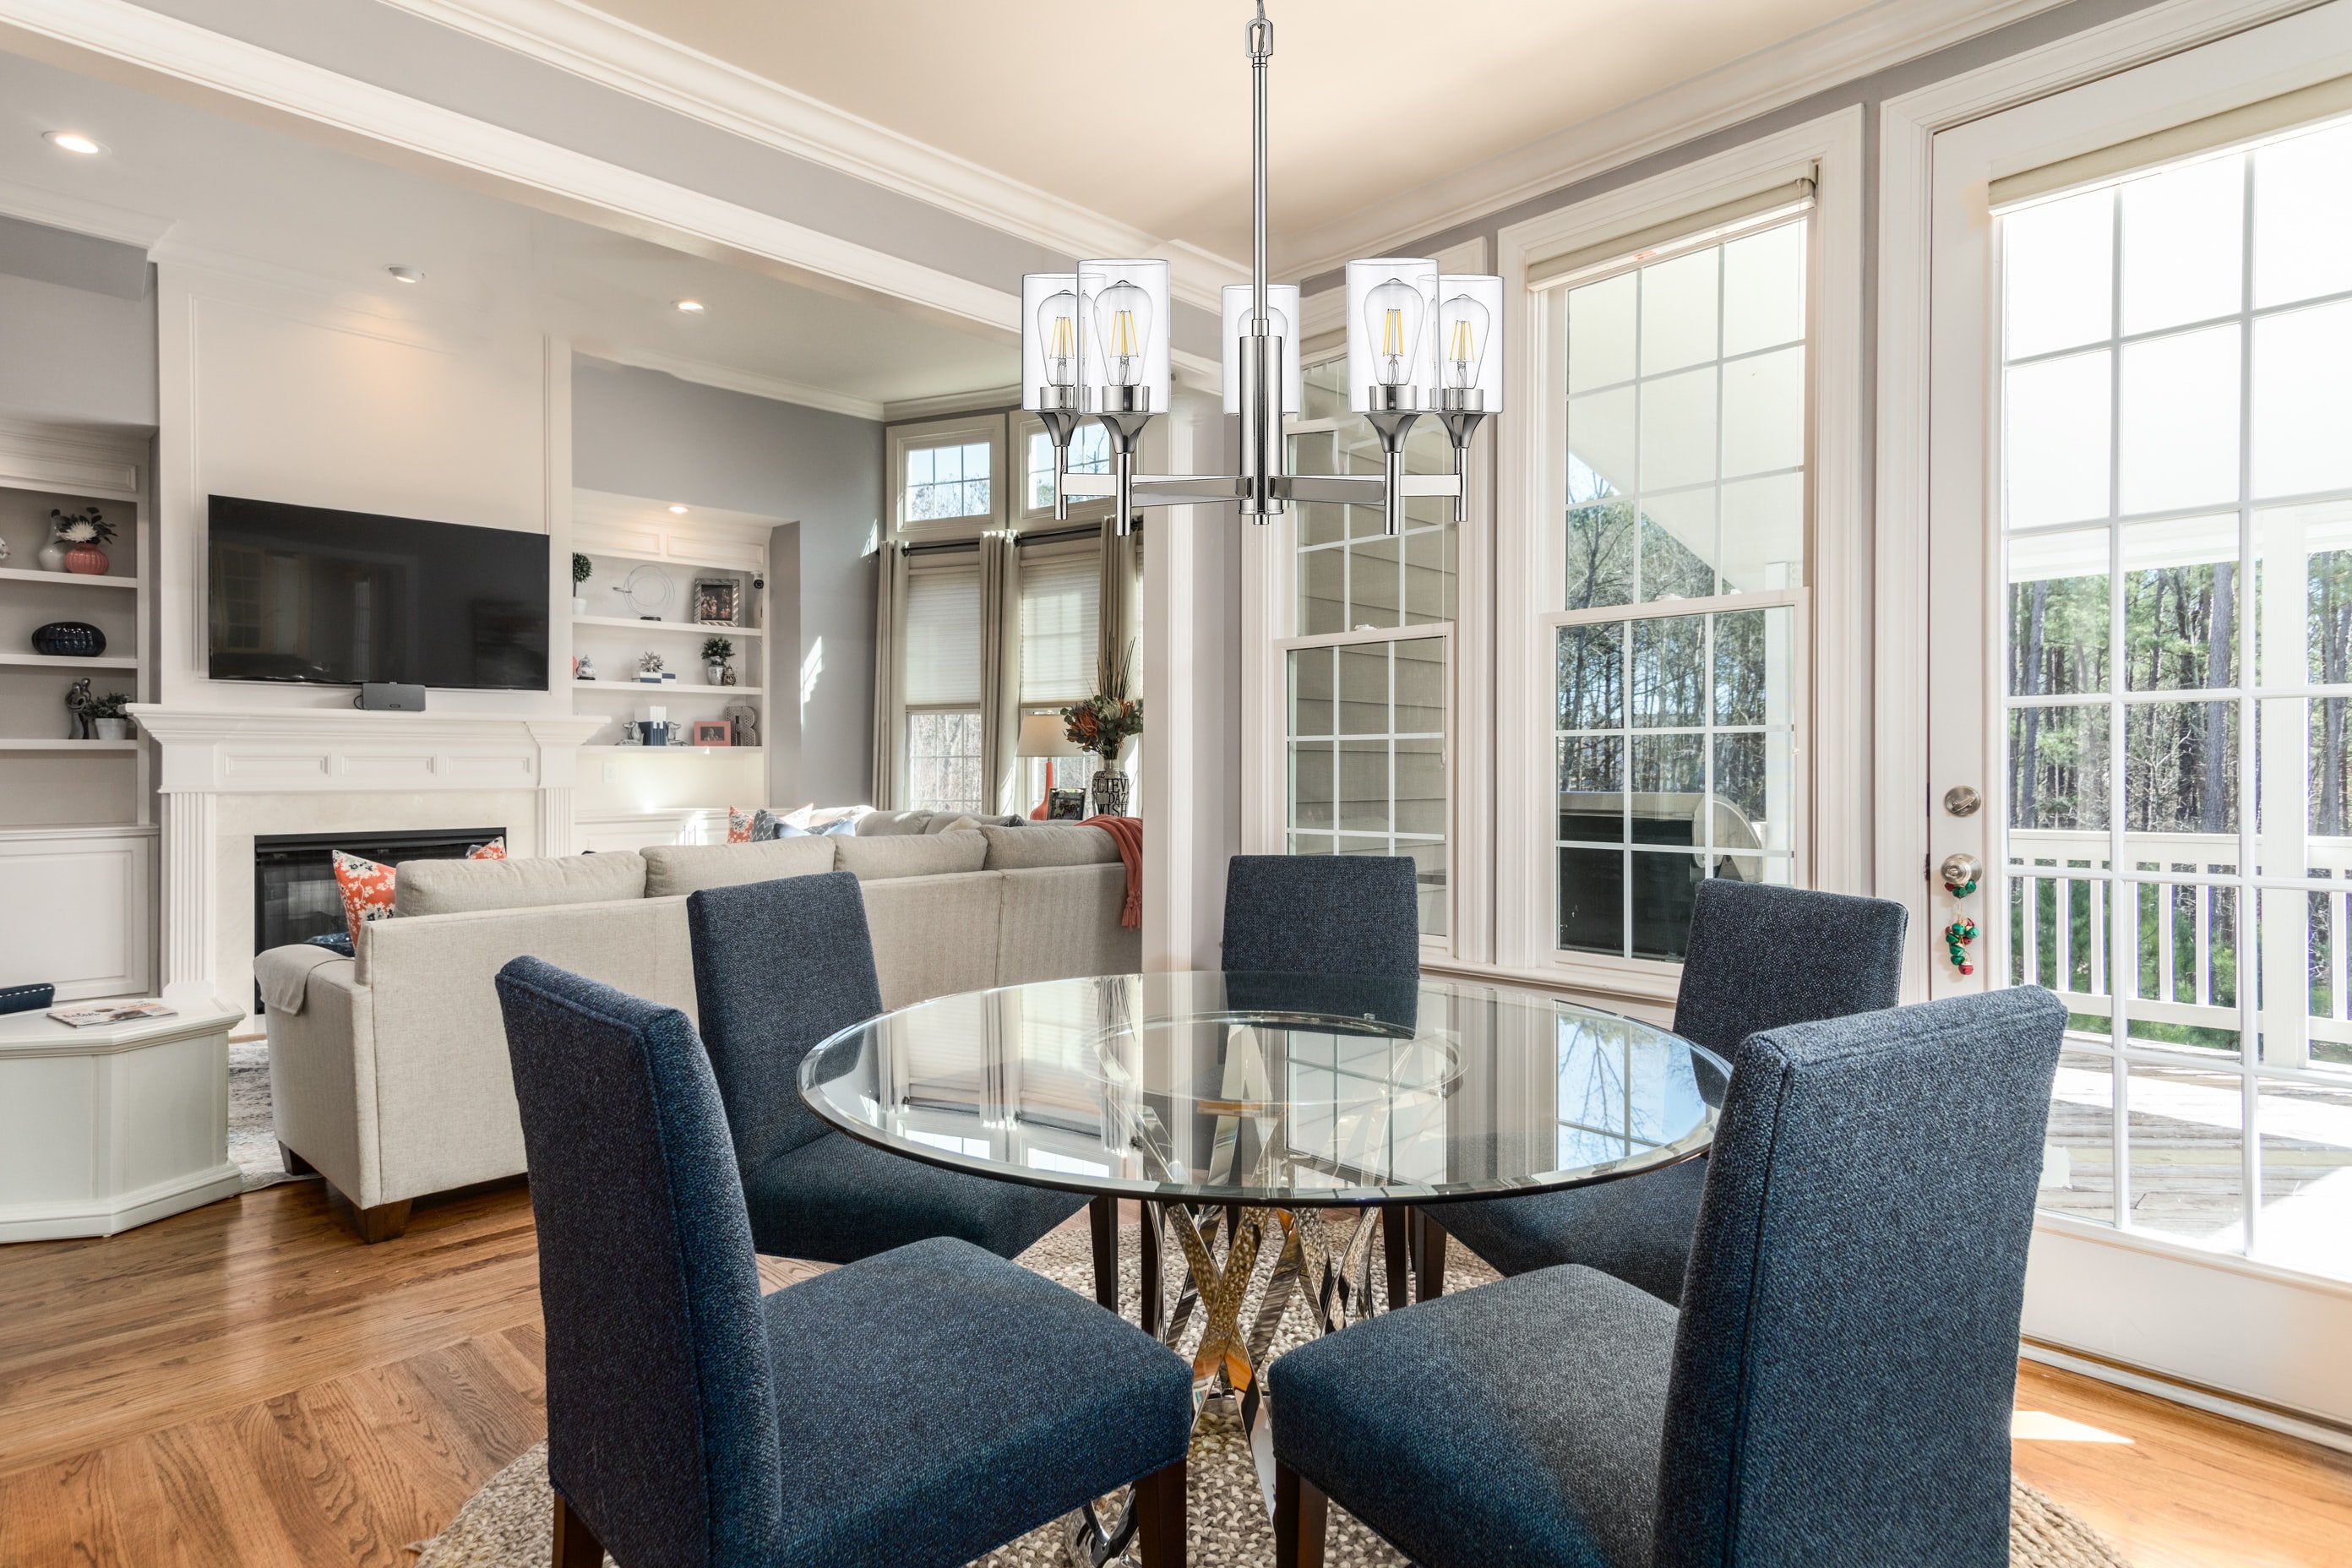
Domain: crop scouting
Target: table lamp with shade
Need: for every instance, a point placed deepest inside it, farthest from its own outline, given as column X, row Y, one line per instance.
column 1045, row 735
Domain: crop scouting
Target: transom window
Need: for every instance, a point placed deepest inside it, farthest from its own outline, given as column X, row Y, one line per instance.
column 1678, row 672
column 947, row 481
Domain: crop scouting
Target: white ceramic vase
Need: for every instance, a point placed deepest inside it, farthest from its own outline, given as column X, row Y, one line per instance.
column 111, row 729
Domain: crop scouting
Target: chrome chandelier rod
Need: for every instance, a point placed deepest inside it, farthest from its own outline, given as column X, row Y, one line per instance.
column 1095, row 345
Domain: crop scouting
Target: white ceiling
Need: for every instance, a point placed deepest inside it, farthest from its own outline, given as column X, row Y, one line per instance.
column 227, row 188
column 1141, row 111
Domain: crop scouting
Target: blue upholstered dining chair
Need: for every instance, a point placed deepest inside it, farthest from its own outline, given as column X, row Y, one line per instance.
column 1759, row 957
column 919, row 1407
column 1322, row 914
column 1835, row 1388
column 778, row 966
column 1356, row 915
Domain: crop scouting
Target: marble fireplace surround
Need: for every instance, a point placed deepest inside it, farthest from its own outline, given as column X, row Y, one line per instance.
column 227, row 775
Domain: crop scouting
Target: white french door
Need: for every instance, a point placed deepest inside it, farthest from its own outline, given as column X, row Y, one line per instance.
column 2140, row 635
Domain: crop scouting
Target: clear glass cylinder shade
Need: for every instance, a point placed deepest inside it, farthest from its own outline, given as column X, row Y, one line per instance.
column 1392, row 334
column 1282, row 307
column 1469, row 327
column 1049, row 339
column 1123, row 324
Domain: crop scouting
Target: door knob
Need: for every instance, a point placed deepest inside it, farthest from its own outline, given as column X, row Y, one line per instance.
column 1961, row 871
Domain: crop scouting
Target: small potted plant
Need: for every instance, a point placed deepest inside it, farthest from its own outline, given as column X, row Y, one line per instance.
column 107, row 716
column 649, row 668
column 580, row 571
column 77, row 541
column 716, row 652
column 1102, row 724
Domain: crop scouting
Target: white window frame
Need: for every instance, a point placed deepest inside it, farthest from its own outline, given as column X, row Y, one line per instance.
column 1832, row 704
column 937, row 561
column 1269, row 632
column 969, row 430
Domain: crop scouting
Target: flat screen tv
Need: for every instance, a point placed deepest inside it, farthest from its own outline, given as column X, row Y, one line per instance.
column 335, row 598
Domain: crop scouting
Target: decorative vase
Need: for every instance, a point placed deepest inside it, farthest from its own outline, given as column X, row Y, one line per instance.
column 579, row 606
column 1110, row 792
column 52, row 555
column 111, row 729
column 68, row 639
column 87, row 559
column 715, row 672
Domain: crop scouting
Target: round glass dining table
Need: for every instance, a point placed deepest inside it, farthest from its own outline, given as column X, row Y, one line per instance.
column 1248, row 1110
column 1275, row 1095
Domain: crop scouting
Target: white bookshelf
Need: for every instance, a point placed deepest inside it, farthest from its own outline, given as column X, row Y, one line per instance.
column 625, row 534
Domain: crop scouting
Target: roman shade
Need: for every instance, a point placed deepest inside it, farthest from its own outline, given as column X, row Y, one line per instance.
column 942, row 631
column 1061, row 614
column 2242, row 127
column 1691, row 231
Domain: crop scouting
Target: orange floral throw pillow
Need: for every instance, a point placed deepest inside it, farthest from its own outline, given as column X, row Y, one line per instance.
column 367, row 891
column 738, row 823
column 496, row 849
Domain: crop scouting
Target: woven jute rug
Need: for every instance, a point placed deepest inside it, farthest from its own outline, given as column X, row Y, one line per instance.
column 506, row 1523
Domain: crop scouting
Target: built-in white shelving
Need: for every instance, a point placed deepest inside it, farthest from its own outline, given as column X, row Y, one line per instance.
column 654, row 688
column 66, row 579
column 18, row 744
column 627, row 624
column 67, row 661
column 698, row 751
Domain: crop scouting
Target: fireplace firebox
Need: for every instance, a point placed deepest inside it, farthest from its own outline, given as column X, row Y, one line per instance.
column 294, row 893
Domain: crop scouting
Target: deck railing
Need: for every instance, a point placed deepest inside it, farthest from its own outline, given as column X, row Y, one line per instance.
column 2189, row 949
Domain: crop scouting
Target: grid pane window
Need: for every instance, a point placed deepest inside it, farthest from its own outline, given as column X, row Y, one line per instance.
column 1676, row 747
column 1686, row 468
column 948, row 481
column 943, row 761
column 1351, row 575
column 1684, row 479
column 2176, row 517
column 1368, row 757
column 1089, row 454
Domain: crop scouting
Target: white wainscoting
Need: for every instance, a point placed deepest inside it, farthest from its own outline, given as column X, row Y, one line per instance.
column 77, row 910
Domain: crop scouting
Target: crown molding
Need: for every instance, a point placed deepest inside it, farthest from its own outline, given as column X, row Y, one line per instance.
column 1836, row 52
column 775, row 388
column 628, row 59
column 990, row 400
column 568, row 182
column 79, row 215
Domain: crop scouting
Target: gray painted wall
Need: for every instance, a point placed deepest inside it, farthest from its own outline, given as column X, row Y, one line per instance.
column 76, row 328
column 641, row 432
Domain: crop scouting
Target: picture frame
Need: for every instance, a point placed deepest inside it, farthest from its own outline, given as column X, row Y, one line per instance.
column 1065, row 806
column 717, row 601
column 713, row 733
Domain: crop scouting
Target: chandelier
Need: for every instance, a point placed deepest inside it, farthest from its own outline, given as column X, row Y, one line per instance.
column 1094, row 344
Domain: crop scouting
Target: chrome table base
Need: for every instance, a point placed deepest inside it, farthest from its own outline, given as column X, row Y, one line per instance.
column 1335, row 1266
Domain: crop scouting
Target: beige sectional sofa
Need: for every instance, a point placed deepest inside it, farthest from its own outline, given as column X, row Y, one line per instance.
column 388, row 1071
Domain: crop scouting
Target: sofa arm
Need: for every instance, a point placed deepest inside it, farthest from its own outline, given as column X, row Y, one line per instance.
column 322, row 1080
column 442, row 1092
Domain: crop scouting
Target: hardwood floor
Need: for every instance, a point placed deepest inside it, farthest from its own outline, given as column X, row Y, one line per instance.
column 246, row 1385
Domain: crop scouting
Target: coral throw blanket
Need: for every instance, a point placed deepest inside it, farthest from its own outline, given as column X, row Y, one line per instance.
column 1127, row 832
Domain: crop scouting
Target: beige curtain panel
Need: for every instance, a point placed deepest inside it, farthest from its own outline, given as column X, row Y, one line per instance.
column 889, row 697
column 1000, row 673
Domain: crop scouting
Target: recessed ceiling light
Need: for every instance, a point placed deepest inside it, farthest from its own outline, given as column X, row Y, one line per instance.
column 679, row 510
column 691, row 307
column 73, row 142
column 406, row 274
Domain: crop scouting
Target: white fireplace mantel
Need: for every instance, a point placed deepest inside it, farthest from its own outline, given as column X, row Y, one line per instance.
column 209, row 753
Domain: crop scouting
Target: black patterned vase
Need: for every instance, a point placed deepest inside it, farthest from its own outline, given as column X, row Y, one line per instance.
column 1110, row 793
